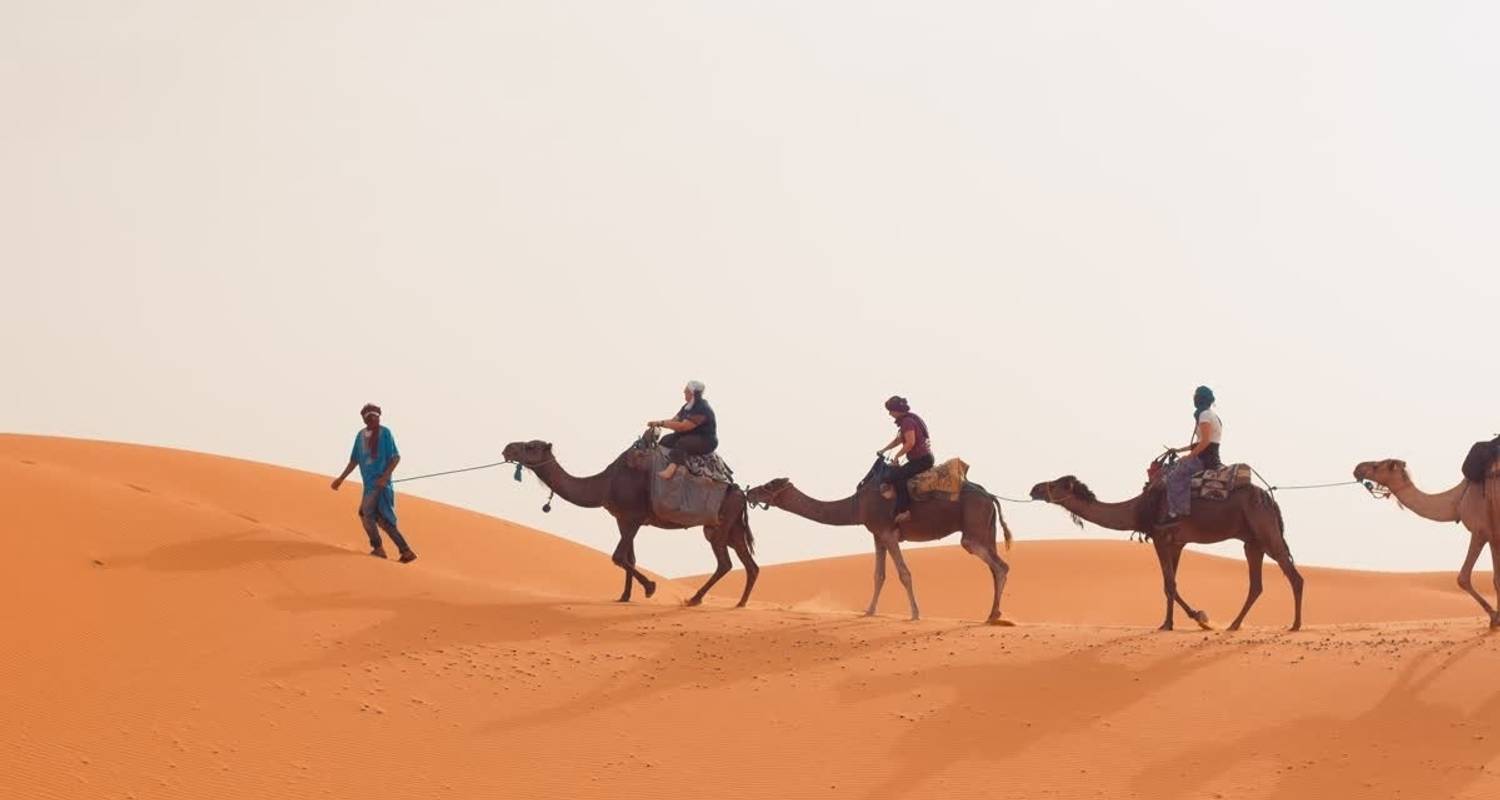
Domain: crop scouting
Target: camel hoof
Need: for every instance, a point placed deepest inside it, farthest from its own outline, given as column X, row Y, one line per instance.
column 692, row 601
column 741, row 604
column 650, row 590
column 1294, row 628
column 1202, row 619
column 869, row 613
column 624, row 599
column 1000, row 622
column 1165, row 626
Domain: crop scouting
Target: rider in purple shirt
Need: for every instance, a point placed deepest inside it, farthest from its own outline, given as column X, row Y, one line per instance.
column 915, row 445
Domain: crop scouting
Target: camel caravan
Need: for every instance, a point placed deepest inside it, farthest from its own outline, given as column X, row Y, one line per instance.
column 679, row 481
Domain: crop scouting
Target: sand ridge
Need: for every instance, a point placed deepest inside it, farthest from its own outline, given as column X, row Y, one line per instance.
column 192, row 626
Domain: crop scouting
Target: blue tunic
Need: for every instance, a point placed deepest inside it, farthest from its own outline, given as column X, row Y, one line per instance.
column 372, row 467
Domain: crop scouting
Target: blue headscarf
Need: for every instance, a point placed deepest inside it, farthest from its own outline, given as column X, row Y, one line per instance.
column 1203, row 397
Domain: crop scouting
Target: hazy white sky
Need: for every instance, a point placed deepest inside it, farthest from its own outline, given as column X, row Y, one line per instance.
column 225, row 226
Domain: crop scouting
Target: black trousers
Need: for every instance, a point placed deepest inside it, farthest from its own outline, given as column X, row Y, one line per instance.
column 898, row 477
column 681, row 445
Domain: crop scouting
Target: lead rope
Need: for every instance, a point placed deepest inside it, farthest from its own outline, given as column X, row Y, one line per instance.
column 1377, row 492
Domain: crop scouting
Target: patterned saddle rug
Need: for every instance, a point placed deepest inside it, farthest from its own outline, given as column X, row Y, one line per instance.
column 1217, row 484
column 946, row 480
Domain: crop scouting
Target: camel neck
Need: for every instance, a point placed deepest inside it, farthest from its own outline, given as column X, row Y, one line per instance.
column 589, row 492
column 1437, row 507
column 1114, row 516
column 837, row 512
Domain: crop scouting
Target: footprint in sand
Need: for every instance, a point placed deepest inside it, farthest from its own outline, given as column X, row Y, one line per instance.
column 247, row 518
column 139, row 488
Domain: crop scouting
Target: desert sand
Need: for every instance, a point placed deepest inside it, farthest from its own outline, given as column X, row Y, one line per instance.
column 192, row 626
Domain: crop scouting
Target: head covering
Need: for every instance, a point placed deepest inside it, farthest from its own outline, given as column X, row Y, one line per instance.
column 1203, row 397
column 897, row 403
column 696, row 387
column 372, row 442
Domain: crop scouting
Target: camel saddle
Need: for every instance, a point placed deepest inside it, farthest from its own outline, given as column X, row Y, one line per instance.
column 942, row 482
column 946, row 480
column 1217, row 484
column 693, row 496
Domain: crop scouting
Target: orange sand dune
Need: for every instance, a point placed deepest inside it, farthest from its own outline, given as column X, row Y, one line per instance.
column 185, row 626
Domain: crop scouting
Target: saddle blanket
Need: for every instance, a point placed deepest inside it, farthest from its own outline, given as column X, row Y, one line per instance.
column 1216, row 484
column 693, row 496
column 947, row 478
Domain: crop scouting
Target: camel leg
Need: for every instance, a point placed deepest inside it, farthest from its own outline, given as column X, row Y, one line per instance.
column 1199, row 616
column 1254, row 557
column 1466, row 574
column 1288, row 568
column 904, row 573
column 722, row 568
column 624, row 558
column 741, row 546
column 1168, row 577
column 1495, row 562
column 999, row 571
column 1267, row 533
column 879, row 576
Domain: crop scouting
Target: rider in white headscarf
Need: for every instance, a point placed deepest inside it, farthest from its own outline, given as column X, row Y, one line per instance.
column 695, row 431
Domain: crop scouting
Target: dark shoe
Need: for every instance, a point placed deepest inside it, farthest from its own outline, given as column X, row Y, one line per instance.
column 407, row 556
column 378, row 552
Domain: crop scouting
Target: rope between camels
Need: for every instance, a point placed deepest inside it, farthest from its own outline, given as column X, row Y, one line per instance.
column 1273, row 489
column 1315, row 485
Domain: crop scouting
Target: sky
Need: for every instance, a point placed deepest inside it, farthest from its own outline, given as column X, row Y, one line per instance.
column 226, row 226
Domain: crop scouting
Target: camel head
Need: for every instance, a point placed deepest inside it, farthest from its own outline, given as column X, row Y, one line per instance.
column 1390, row 473
column 1064, row 488
column 529, row 454
column 768, row 491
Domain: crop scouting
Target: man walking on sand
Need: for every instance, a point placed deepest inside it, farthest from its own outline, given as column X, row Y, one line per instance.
column 376, row 456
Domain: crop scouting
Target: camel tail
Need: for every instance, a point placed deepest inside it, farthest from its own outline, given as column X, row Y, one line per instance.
column 1270, row 499
column 1000, row 515
column 749, row 534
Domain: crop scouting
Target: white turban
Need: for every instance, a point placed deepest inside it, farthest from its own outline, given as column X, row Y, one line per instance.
column 696, row 387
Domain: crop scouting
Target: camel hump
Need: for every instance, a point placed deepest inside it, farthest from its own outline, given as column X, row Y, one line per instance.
column 1483, row 458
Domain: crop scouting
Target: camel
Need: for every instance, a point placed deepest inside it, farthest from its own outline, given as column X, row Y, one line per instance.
column 1477, row 507
column 1250, row 515
column 624, row 490
column 974, row 514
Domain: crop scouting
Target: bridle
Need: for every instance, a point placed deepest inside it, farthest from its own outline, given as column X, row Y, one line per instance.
column 770, row 499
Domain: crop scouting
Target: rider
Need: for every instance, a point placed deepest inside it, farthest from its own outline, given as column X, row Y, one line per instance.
column 915, row 445
column 695, row 430
column 1202, row 454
